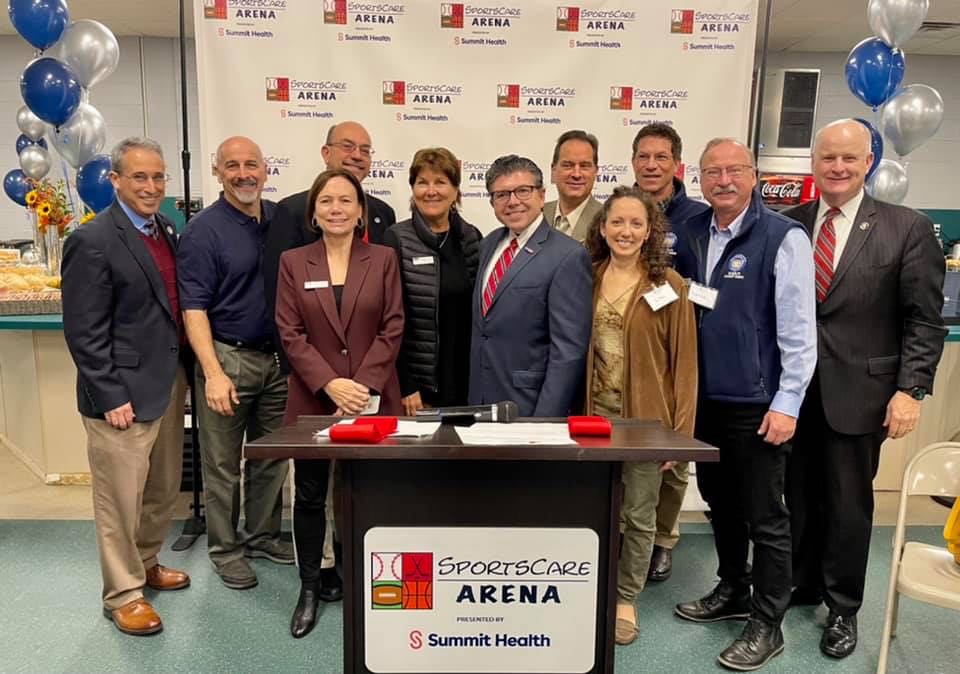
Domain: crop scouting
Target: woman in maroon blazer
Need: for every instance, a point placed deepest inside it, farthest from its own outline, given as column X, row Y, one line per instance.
column 340, row 318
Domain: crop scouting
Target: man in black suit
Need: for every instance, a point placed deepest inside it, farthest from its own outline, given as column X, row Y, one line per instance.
column 122, row 324
column 348, row 147
column 879, row 283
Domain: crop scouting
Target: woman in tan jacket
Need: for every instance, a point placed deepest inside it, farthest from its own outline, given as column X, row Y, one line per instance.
column 642, row 364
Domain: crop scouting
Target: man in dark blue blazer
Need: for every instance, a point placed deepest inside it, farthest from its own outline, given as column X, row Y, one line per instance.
column 122, row 324
column 532, row 304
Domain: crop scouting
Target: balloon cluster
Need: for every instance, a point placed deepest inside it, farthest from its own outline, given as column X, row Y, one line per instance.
column 72, row 57
column 907, row 115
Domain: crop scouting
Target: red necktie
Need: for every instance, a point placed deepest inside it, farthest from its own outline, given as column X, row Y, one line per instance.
column 497, row 275
column 823, row 253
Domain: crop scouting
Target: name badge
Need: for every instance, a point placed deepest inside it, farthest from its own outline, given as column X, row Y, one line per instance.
column 702, row 295
column 661, row 297
column 426, row 259
column 373, row 406
column 313, row 285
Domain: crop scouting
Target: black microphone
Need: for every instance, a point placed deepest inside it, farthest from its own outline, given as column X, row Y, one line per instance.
column 502, row 412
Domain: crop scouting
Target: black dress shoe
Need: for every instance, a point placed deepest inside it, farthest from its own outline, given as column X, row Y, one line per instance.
column 805, row 596
column 661, row 564
column 724, row 603
column 839, row 636
column 756, row 645
column 331, row 587
column 305, row 615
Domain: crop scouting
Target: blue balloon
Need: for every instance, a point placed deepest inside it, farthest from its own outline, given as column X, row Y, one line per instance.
column 93, row 183
column 40, row 22
column 23, row 141
column 16, row 185
column 51, row 90
column 874, row 71
column 876, row 146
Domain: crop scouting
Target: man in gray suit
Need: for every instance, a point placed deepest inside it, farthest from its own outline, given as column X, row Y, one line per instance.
column 879, row 280
column 574, row 170
column 532, row 305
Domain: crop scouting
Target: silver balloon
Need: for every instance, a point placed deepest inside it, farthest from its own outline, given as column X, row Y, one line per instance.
column 911, row 117
column 80, row 137
column 29, row 124
column 895, row 21
column 90, row 49
column 889, row 182
column 35, row 161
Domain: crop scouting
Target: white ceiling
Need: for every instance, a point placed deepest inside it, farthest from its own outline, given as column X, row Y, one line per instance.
column 837, row 25
column 796, row 25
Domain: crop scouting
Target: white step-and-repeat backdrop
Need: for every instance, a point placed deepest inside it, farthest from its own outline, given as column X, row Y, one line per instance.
column 482, row 79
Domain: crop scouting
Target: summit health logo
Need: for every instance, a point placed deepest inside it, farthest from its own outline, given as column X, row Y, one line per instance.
column 536, row 102
column 401, row 581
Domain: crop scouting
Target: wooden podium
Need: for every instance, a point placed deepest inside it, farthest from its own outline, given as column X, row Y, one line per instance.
column 440, row 482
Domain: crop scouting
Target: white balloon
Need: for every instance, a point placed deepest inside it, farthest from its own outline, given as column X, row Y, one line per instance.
column 90, row 49
column 35, row 161
column 889, row 182
column 80, row 137
column 29, row 124
column 895, row 21
column 911, row 117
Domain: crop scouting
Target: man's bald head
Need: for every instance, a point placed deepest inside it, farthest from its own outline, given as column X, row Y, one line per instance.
column 841, row 158
column 348, row 146
column 242, row 172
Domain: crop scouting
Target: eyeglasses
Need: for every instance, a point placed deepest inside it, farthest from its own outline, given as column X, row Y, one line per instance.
column 349, row 147
column 734, row 172
column 142, row 178
column 661, row 159
column 523, row 193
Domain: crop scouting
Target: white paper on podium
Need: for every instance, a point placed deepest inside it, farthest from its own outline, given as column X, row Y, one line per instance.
column 405, row 429
column 515, row 434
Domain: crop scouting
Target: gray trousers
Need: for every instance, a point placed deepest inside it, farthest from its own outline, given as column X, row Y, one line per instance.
column 262, row 390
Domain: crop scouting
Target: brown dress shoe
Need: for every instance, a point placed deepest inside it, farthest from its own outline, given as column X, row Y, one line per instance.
column 137, row 618
column 163, row 578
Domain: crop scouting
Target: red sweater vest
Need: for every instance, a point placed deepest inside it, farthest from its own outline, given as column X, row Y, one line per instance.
column 166, row 263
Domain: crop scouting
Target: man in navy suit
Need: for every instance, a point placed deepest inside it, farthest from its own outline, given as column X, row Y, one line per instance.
column 532, row 305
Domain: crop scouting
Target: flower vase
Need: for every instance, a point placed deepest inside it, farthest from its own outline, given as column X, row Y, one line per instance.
column 53, row 249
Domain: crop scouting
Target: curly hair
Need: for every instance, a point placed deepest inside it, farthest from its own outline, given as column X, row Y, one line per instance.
column 654, row 257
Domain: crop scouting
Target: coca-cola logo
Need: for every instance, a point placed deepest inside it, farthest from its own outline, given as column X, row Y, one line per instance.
column 787, row 190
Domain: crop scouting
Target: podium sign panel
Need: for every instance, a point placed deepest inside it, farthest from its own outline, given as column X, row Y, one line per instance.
column 480, row 599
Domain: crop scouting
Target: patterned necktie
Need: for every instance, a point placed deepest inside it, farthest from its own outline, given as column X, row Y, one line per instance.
column 496, row 275
column 150, row 229
column 823, row 253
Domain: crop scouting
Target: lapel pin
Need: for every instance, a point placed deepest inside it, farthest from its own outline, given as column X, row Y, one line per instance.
column 864, row 226
column 527, row 248
column 170, row 230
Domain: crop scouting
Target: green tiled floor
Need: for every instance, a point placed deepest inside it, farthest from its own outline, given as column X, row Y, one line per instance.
column 50, row 617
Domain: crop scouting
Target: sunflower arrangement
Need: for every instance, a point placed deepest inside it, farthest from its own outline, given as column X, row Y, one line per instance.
column 49, row 201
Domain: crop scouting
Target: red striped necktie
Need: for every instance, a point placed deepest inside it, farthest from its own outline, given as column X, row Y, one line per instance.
column 823, row 253
column 497, row 275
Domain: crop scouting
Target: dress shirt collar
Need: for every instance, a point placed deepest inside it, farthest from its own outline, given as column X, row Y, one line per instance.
column 733, row 229
column 848, row 209
column 138, row 220
column 573, row 217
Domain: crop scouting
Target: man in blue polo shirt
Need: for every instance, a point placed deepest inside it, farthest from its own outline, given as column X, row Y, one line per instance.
column 239, row 386
column 751, row 273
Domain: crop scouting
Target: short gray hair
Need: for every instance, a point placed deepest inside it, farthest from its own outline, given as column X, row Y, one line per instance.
column 512, row 163
column 120, row 150
column 713, row 142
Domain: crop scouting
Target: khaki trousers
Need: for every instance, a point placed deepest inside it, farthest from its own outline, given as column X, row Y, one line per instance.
column 673, row 487
column 136, row 478
column 262, row 390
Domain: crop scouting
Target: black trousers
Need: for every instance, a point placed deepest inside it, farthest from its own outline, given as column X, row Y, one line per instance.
column 830, row 496
column 309, row 515
column 745, row 494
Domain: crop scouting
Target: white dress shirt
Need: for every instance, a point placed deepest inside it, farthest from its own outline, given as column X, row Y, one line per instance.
column 567, row 223
column 842, row 223
column 521, row 238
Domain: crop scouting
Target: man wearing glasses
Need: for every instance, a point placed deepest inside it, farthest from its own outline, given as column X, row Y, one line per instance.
column 574, row 170
column 751, row 273
column 122, row 324
column 657, row 149
column 240, row 389
column 532, row 303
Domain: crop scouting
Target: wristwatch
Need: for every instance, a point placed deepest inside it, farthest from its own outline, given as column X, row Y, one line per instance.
column 915, row 392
